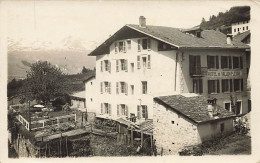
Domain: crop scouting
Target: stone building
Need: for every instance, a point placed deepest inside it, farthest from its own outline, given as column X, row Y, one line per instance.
column 187, row 119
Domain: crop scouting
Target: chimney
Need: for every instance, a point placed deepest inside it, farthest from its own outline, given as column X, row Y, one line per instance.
column 212, row 107
column 229, row 39
column 142, row 21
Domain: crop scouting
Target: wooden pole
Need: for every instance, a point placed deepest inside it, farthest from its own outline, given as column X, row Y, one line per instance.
column 49, row 150
column 142, row 138
column 151, row 142
column 46, row 149
column 60, row 143
column 132, row 136
column 67, row 145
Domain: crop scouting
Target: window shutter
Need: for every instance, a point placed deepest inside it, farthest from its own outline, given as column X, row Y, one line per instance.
column 200, row 86
column 124, row 46
column 101, row 87
column 146, row 112
column 109, row 66
column 109, row 109
column 241, row 62
column 126, row 88
column 230, row 85
column 138, row 62
column 126, row 65
column 116, row 48
column 109, row 87
column 126, row 110
column 117, row 88
column 149, row 61
column 218, row 86
column 117, row 65
column 138, row 112
column 229, row 62
column 149, row 44
column 191, row 60
column 242, row 85
column 101, row 66
column 117, row 110
column 139, row 45
column 102, row 110
column 209, row 87
column 217, row 62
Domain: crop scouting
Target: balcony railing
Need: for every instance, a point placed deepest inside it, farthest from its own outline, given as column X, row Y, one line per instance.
column 198, row 71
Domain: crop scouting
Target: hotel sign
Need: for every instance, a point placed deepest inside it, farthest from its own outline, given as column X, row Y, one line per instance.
column 224, row 73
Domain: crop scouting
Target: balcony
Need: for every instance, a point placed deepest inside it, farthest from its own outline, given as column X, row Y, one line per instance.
column 198, row 71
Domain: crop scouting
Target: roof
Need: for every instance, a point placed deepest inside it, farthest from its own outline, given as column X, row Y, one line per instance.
column 242, row 36
column 195, row 108
column 172, row 36
column 80, row 94
column 89, row 78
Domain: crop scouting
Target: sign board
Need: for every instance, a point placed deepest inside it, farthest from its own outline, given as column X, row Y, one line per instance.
column 223, row 73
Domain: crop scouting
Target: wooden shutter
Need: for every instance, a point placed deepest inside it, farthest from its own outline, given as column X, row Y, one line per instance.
column 149, row 61
column 200, row 86
column 126, row 65
column 241, row 62
column 116, row 48
column 109, row 87
column 109, row 109
column 242, row 85
column 117, row 65
column 139, row 45
column 126, row 88
column 102, row 109
column 218, row 89
column 149, row 44
column 117, row 108
column 138, row 62
column 230, row 85
column 101, row 87
column 229, row 62
column 192, row 65
column 124, row 46
column 117, row 88
column 109, row 66
column 126, row 110
column 138, row 112
column 217, row 62
column 101, row 66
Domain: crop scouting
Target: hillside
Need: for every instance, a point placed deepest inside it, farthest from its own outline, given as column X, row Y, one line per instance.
column 70, row 62
column 235, row 14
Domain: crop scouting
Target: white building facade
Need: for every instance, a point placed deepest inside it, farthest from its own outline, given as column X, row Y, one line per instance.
column 141, row 62
column 240, row 27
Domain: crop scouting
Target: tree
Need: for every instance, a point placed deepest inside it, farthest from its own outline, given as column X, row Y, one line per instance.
column 84, row 70
column 44, row 82
column 203, row 20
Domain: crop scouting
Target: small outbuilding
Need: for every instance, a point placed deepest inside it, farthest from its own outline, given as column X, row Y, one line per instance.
column 187, row 119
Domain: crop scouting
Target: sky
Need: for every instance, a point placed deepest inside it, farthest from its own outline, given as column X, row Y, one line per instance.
column 94, row 21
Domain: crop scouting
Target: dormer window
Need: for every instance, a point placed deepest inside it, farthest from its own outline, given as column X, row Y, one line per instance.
column 198, row 34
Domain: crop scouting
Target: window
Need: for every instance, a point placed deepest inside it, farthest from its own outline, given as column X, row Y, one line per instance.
column 238, row 107
column 238, row 85
column 101, row 66
column 212, row 62
column 227, row 106
column 121, row 87
column 195, row 65
column 90, row 83
column 213, row 86
column 243, row 28
column 226, row 62
column 148, row 61
column 128, row 44
column 144, row 87
column 107, row 87
column 142, row 111
column 132, row 89
column 105, row 108
column 246, row 27
column 144, row 44
column 226, row 85
column 144, row 62
column 237, row 62
column 122, row 109
column 234, row 29
column 122, row 47
column 238, row 29
column 121, row 64
column 132, row 67
column 107, row 65
column 101, row 87
column 197, row 86
column 222, row 127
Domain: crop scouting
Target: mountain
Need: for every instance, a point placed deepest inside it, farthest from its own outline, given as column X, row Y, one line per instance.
column 224, row 20
column 69, row 54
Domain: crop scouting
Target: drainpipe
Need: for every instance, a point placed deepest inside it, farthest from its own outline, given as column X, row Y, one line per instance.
column 176, row 65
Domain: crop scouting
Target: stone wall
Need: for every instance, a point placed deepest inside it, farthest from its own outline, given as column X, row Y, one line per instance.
column 171, row 131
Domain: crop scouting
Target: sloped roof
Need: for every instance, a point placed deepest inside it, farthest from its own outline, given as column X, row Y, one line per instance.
column 173, row 36
column 240, row 37
column 194, row 108
column 80, row 94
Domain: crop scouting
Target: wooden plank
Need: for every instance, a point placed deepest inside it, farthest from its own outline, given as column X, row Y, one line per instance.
column 142, row 138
